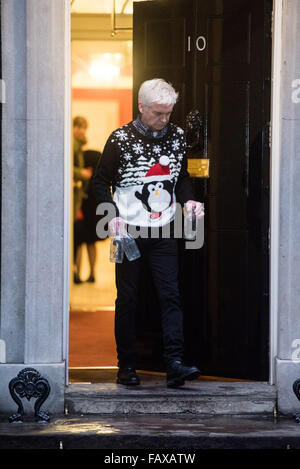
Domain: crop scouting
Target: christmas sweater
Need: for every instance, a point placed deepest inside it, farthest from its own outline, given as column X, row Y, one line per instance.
column 147, row 175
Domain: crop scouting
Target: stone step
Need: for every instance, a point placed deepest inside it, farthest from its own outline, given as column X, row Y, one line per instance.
column 202, row 397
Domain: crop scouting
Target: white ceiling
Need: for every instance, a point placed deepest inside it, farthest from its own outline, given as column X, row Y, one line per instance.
column 102, row 6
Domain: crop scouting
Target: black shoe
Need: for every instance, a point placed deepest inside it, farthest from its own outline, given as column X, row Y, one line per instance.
column 127, row 376
column 177, row 373
column 77, row 279
column 91, row 279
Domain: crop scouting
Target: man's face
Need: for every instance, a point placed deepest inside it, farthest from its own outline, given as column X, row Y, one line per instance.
column 79, row 133
column 155, row 116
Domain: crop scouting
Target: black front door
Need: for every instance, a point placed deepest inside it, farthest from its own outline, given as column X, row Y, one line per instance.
column 217, row 54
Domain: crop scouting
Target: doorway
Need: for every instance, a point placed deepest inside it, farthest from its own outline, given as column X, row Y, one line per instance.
column 264, row 343
column 101, row 93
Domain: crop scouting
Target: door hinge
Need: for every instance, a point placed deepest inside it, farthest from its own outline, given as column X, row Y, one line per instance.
column 270, row 133
column 272, row 22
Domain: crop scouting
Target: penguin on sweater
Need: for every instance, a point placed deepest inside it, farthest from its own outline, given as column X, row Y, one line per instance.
column 156, row 195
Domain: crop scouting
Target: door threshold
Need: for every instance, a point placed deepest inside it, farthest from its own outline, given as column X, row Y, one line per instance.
column 100, row 394
column 93, row 367
column 80, row 373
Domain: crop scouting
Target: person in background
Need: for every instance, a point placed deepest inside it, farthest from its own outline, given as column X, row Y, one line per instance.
column 81, row 178
column 90, row 219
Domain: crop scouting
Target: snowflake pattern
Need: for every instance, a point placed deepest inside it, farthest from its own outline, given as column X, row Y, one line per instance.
column 138, row 155
column 121, row 135
column 127, row 156
column 175, row 145
column 138, row 148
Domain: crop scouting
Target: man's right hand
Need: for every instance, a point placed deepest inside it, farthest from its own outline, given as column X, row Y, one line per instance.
column 116, row 226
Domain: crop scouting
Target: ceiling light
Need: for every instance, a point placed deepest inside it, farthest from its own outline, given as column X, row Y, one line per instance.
column 104, row 71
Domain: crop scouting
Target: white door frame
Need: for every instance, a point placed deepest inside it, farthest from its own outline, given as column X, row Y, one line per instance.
column 274, row 178
column 275, row 181
column 67, row 186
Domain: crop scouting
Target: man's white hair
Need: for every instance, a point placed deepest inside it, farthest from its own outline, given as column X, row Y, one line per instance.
column 157, row 91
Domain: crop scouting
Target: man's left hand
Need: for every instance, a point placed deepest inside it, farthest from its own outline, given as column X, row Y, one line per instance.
column 198, row 208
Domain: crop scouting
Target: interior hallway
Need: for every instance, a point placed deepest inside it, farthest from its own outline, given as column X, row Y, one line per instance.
column 91, row 328
column 101, row 85
column 101, row 294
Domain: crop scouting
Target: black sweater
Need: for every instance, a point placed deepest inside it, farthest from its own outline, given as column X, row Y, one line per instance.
column 147, row 175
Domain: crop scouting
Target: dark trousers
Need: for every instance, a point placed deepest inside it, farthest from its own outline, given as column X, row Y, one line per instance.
column 161, row 254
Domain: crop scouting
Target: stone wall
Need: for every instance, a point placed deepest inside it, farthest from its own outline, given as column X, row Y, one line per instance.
column 288, row 359
column 32, row 274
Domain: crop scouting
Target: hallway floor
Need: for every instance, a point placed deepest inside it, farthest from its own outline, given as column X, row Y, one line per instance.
column 92, row 306
column 101, row 294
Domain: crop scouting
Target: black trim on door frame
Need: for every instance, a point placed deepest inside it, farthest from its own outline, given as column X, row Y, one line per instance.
column 0, row 142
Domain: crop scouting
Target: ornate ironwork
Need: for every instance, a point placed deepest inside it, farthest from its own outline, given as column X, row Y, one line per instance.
column 194, row 129
column 29, row 383
column 296, row 389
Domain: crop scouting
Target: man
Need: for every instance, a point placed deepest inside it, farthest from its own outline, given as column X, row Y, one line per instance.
column 81, row 177
column 144, row 161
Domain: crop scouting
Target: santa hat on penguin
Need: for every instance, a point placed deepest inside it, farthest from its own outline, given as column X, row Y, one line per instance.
column 159, row 171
